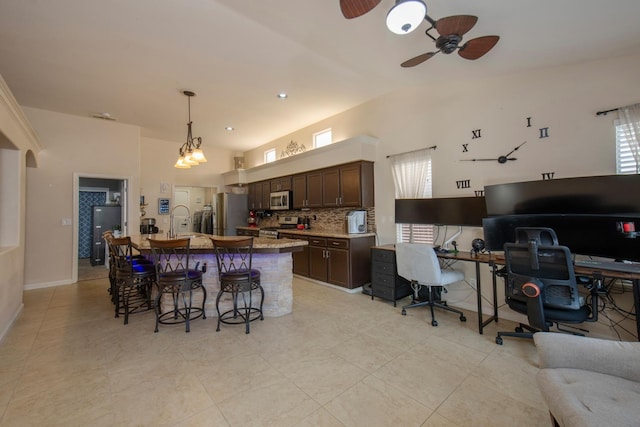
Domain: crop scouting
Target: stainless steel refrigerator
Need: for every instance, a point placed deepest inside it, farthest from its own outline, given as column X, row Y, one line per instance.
column 231, row 211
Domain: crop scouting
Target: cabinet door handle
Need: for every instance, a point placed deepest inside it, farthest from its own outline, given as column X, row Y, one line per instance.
column 335, row 243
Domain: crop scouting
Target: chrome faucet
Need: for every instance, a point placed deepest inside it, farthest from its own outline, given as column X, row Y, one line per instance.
column 172, row 232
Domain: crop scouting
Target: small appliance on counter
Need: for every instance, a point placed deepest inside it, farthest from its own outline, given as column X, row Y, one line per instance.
column 148, row 226
column 356, row 222
column 252, row 221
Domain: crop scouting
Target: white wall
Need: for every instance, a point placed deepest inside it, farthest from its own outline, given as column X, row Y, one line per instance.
column 18, row 148
column 70, row 144
column 444, row 113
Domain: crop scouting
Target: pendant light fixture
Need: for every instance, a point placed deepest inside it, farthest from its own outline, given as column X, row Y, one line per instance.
column 405, row 16
column 190, row 152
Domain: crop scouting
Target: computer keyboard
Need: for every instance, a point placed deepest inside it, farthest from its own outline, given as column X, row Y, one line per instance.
column 609, row 265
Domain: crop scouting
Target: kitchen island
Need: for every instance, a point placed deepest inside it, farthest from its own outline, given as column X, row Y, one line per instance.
column 271, row 256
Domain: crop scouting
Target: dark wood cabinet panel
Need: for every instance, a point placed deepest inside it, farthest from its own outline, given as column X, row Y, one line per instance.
column 314, row 190
column 259, row 194
column 300, row 259
column 281, row 184
column 266, row 192
column 331, row 188
column 341, row 262
column 348, row 185
column 318, row 263
column 338, row 267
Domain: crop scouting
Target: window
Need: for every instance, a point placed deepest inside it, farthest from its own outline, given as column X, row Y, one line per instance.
column 412, row 179
column 322, row 138
column 625, row 160
column 270, row 155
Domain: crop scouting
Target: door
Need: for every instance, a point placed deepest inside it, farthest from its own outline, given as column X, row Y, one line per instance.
column 181, row 219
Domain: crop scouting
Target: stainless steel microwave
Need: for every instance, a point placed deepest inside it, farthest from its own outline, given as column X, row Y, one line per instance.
column 280, row 201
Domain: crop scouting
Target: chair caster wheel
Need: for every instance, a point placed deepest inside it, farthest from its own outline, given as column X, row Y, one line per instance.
column 404, row 312
column 463, row 319
column 499, row 340
column 519, row 329
column 434, row 323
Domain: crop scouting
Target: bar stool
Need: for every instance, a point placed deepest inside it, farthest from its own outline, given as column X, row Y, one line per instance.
column 234, row 257
column 175, row 278
column 133, row 278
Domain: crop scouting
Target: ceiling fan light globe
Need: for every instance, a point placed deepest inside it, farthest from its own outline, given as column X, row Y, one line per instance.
column 405, row 16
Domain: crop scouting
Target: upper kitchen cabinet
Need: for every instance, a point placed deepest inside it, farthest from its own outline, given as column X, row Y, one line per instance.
column 281, row 184
column 259, row 194
column 349, row 185
column 307, row 190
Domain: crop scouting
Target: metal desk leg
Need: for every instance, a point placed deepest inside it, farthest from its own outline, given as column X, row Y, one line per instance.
column 493, row 318
column 479, row 295
column 636, row 303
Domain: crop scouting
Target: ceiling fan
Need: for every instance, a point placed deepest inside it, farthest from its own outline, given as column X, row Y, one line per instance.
column 409, row 15
column 451, row 30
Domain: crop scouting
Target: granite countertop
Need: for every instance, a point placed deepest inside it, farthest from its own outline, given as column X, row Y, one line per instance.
column 203, row 242
column 318, row 233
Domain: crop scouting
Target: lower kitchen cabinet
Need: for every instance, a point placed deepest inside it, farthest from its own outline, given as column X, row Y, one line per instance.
column 341, row 262
column 385, row 282
column 300, row 259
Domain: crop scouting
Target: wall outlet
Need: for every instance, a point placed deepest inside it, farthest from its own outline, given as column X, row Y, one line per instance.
column 66, row 221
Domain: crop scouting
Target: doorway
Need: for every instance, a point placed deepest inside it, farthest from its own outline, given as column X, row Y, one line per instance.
column 90, row 259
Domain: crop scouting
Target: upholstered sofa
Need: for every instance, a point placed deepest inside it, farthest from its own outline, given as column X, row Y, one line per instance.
column 588, row 381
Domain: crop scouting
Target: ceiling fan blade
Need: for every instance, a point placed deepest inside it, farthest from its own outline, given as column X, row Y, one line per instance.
column 475, row 48
column 354, row 8
column 458, row 24
column 417, row 60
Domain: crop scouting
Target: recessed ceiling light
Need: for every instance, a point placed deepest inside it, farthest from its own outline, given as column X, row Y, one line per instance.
column 229, row 128
column 282, row 95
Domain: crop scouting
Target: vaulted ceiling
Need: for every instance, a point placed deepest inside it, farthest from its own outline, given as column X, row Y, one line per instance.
column 132, row 59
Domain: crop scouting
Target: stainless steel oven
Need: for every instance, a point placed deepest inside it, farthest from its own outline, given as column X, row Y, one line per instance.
column 280, row 201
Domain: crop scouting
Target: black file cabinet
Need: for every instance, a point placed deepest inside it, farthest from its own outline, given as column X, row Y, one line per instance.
column 385, row 282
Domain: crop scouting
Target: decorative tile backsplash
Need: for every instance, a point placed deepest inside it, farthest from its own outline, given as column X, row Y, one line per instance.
column 326, row 219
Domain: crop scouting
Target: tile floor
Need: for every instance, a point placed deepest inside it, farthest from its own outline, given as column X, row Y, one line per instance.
column 339, row 360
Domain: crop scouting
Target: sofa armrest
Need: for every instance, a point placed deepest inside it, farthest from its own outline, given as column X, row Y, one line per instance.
column 621, row 359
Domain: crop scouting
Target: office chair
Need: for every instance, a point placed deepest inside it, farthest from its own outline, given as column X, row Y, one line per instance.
column 541, row 283
column 419, row 264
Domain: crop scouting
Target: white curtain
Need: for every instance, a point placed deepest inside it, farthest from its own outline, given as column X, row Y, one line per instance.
column 412, row 174
column 629, row 119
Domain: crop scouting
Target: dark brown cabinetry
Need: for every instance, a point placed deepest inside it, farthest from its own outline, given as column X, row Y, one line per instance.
column 385, row 282
column 281, row 184
column 300, row 259
column 307, row 190
column 349, row 185
column 259, row 194
column 341, row 262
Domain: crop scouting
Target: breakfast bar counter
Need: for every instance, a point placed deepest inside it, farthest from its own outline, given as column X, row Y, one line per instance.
column 271, row 256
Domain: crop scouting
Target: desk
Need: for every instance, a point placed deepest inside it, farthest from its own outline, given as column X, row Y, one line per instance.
column 615, row 274
column 489, row 259
column 493, row 261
